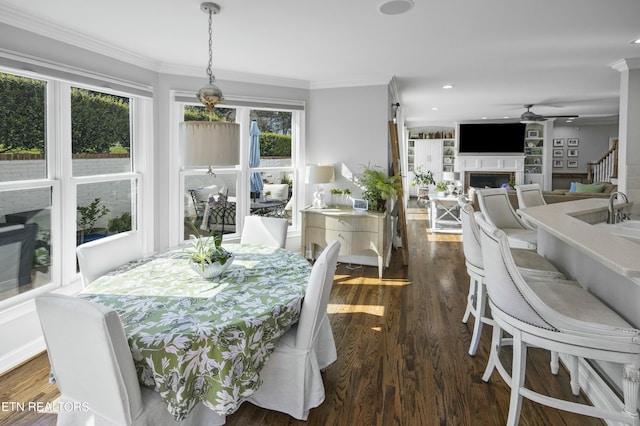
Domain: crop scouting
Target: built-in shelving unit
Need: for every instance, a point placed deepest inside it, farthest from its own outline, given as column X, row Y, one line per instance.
column 448, row 155
column 431, row 149
column 536, row 150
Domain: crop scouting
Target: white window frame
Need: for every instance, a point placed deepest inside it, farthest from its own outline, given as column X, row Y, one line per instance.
column 64, row 186
column 243, row 170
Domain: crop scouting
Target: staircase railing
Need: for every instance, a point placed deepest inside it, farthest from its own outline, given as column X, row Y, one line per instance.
column 605, row 168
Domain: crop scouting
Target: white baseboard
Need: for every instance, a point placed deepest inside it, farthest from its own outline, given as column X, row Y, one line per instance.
column 22, row 354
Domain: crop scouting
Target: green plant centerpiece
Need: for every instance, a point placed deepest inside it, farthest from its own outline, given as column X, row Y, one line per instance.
column 377, row 187
column 423, row 179
column 208, row 258
column 441, row 187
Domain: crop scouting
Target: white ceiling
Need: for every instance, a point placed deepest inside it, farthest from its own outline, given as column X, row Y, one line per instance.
column 499, row 54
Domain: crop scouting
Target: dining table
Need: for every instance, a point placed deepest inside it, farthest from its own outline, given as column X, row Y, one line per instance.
column 197, row 340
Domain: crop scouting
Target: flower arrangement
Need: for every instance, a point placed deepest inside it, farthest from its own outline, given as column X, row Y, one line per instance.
column 509, row 186
column 421, row 178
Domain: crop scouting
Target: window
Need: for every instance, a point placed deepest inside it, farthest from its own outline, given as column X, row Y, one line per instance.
column 61, row 185
column 262, row 184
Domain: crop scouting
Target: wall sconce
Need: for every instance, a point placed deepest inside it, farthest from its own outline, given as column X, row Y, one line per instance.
column 209, row 143
column 319, row 175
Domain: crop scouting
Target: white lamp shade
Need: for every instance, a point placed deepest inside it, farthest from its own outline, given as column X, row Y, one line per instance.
column 450, row 176
column 319, row 174
column 209, row 143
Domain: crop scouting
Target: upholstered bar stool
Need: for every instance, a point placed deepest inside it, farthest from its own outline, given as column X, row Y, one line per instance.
column 529, row 262
column 497, row 210
column 556, row 317
column 529, row 195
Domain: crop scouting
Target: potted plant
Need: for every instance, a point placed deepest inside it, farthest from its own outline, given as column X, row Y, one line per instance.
column 120, row 224
column 208, row 258
column 441, row 188
column 377, row 187
column 422, row 179
column 89, row 216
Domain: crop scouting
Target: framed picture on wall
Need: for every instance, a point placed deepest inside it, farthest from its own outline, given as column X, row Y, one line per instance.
column 572, row 153
column 558, row 164
column 572, row 142
column 558, row 152
column 533, row 134
column 558, row 142
column 572, row 163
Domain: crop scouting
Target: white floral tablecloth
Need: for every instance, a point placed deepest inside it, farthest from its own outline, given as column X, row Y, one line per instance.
column 194, row 339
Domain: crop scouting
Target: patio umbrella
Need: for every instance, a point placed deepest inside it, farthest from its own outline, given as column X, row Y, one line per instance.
column 254, row 157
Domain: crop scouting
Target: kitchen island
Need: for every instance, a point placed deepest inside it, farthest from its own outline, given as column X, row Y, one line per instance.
column 573, row 235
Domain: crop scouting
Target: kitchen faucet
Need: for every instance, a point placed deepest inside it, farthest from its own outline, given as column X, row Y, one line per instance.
column 617, row 215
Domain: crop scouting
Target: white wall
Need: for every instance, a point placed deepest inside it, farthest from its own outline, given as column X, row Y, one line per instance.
column 348, row 128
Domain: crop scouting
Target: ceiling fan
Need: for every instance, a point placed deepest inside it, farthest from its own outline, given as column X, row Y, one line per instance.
column 530, row 117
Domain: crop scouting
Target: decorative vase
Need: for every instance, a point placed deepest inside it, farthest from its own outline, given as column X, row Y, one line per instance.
column 212, row 270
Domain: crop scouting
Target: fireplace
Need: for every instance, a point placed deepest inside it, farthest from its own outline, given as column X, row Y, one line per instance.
column 488, row 179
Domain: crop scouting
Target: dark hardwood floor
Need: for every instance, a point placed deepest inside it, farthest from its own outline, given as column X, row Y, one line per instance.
column 402, row 353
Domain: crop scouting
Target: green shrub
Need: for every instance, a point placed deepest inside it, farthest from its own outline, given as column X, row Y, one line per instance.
column 22, row 109
column 275, row 145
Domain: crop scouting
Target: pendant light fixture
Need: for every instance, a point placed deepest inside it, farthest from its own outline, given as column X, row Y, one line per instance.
column 210, row 94
column 209, row 143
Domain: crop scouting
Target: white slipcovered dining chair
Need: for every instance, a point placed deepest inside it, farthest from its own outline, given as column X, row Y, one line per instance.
column 562, row 318
column 101, row 256
column 530, row 264
column 267, row 231
column 497, row 209
column 93, row 368
column 291, row 379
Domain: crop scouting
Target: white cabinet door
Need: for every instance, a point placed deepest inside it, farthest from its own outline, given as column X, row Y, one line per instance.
column 428, row 155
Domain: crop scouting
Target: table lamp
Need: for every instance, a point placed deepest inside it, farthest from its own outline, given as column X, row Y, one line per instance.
column 453, row 180
column 319, row 175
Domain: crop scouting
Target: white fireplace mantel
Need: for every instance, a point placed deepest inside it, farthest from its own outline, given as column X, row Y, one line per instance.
column 491, row 163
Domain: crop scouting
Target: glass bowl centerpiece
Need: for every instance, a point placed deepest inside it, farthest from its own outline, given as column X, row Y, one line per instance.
column 208, row 258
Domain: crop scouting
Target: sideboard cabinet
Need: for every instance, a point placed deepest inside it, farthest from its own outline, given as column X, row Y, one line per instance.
column 357, row 232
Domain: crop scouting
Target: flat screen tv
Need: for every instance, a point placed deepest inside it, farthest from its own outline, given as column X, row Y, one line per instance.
column 494, row 138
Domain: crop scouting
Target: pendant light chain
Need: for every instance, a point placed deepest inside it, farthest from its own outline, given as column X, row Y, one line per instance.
column 210, row 94
column 209, row 68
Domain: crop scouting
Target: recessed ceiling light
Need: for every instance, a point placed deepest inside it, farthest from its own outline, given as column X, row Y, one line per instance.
column 506, row 116
column 395, row 7
column 448, row 86
column 484, row 118
column 435, row 109
column 636, row 41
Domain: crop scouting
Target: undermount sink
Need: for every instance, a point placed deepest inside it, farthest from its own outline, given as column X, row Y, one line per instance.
column 629, row 229
column 630, row 224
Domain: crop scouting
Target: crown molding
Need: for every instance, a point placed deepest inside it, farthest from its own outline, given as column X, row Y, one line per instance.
column 227, row 75
column 365, row 81
column 50, row 30
column 626, row 64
